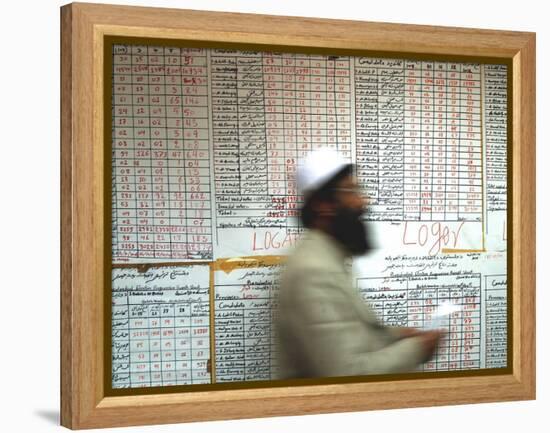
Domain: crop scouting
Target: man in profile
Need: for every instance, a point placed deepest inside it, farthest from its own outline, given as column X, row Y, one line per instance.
column 325, row 329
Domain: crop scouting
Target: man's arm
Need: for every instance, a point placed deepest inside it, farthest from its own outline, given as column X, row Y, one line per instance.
column 337, row 342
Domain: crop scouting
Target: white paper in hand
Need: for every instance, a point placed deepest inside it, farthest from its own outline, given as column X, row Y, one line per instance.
column 440, row 318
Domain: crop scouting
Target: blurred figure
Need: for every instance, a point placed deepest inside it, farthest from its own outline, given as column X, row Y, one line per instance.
column 325, row 329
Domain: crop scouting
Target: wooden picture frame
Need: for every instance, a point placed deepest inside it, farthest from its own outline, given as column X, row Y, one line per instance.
column 84, row 223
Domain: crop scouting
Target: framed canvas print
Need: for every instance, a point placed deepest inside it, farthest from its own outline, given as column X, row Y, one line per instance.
column 181, row 134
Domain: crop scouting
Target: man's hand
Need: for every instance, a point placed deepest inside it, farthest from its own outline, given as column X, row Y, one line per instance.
column 430, row 340
column 405, row 332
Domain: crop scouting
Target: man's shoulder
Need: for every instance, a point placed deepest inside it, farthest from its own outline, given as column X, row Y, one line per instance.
column 316, row 252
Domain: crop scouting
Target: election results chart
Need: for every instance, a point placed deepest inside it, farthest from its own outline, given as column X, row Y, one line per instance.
column 205, row 145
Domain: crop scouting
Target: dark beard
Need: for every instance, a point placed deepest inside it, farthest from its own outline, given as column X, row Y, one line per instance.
column 348, row 228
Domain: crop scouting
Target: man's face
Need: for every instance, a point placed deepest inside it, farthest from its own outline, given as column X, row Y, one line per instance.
column 348, row 194
column 347, row 224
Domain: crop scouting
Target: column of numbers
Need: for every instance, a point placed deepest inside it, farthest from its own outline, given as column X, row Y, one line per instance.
column 290, row 140
column 341, row 94
column 412, row 141
column 124, row 175
column 439, row 140
column 453, row 141
column 427, row 141
column 273, row 92
column 196, row 141
column 470, row 175
column 200, row 342
column 160, row 154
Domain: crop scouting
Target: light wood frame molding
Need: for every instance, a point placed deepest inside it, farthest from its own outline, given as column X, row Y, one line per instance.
column 84, row 224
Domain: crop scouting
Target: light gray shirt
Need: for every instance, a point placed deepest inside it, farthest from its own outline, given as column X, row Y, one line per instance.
column 325, row 329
